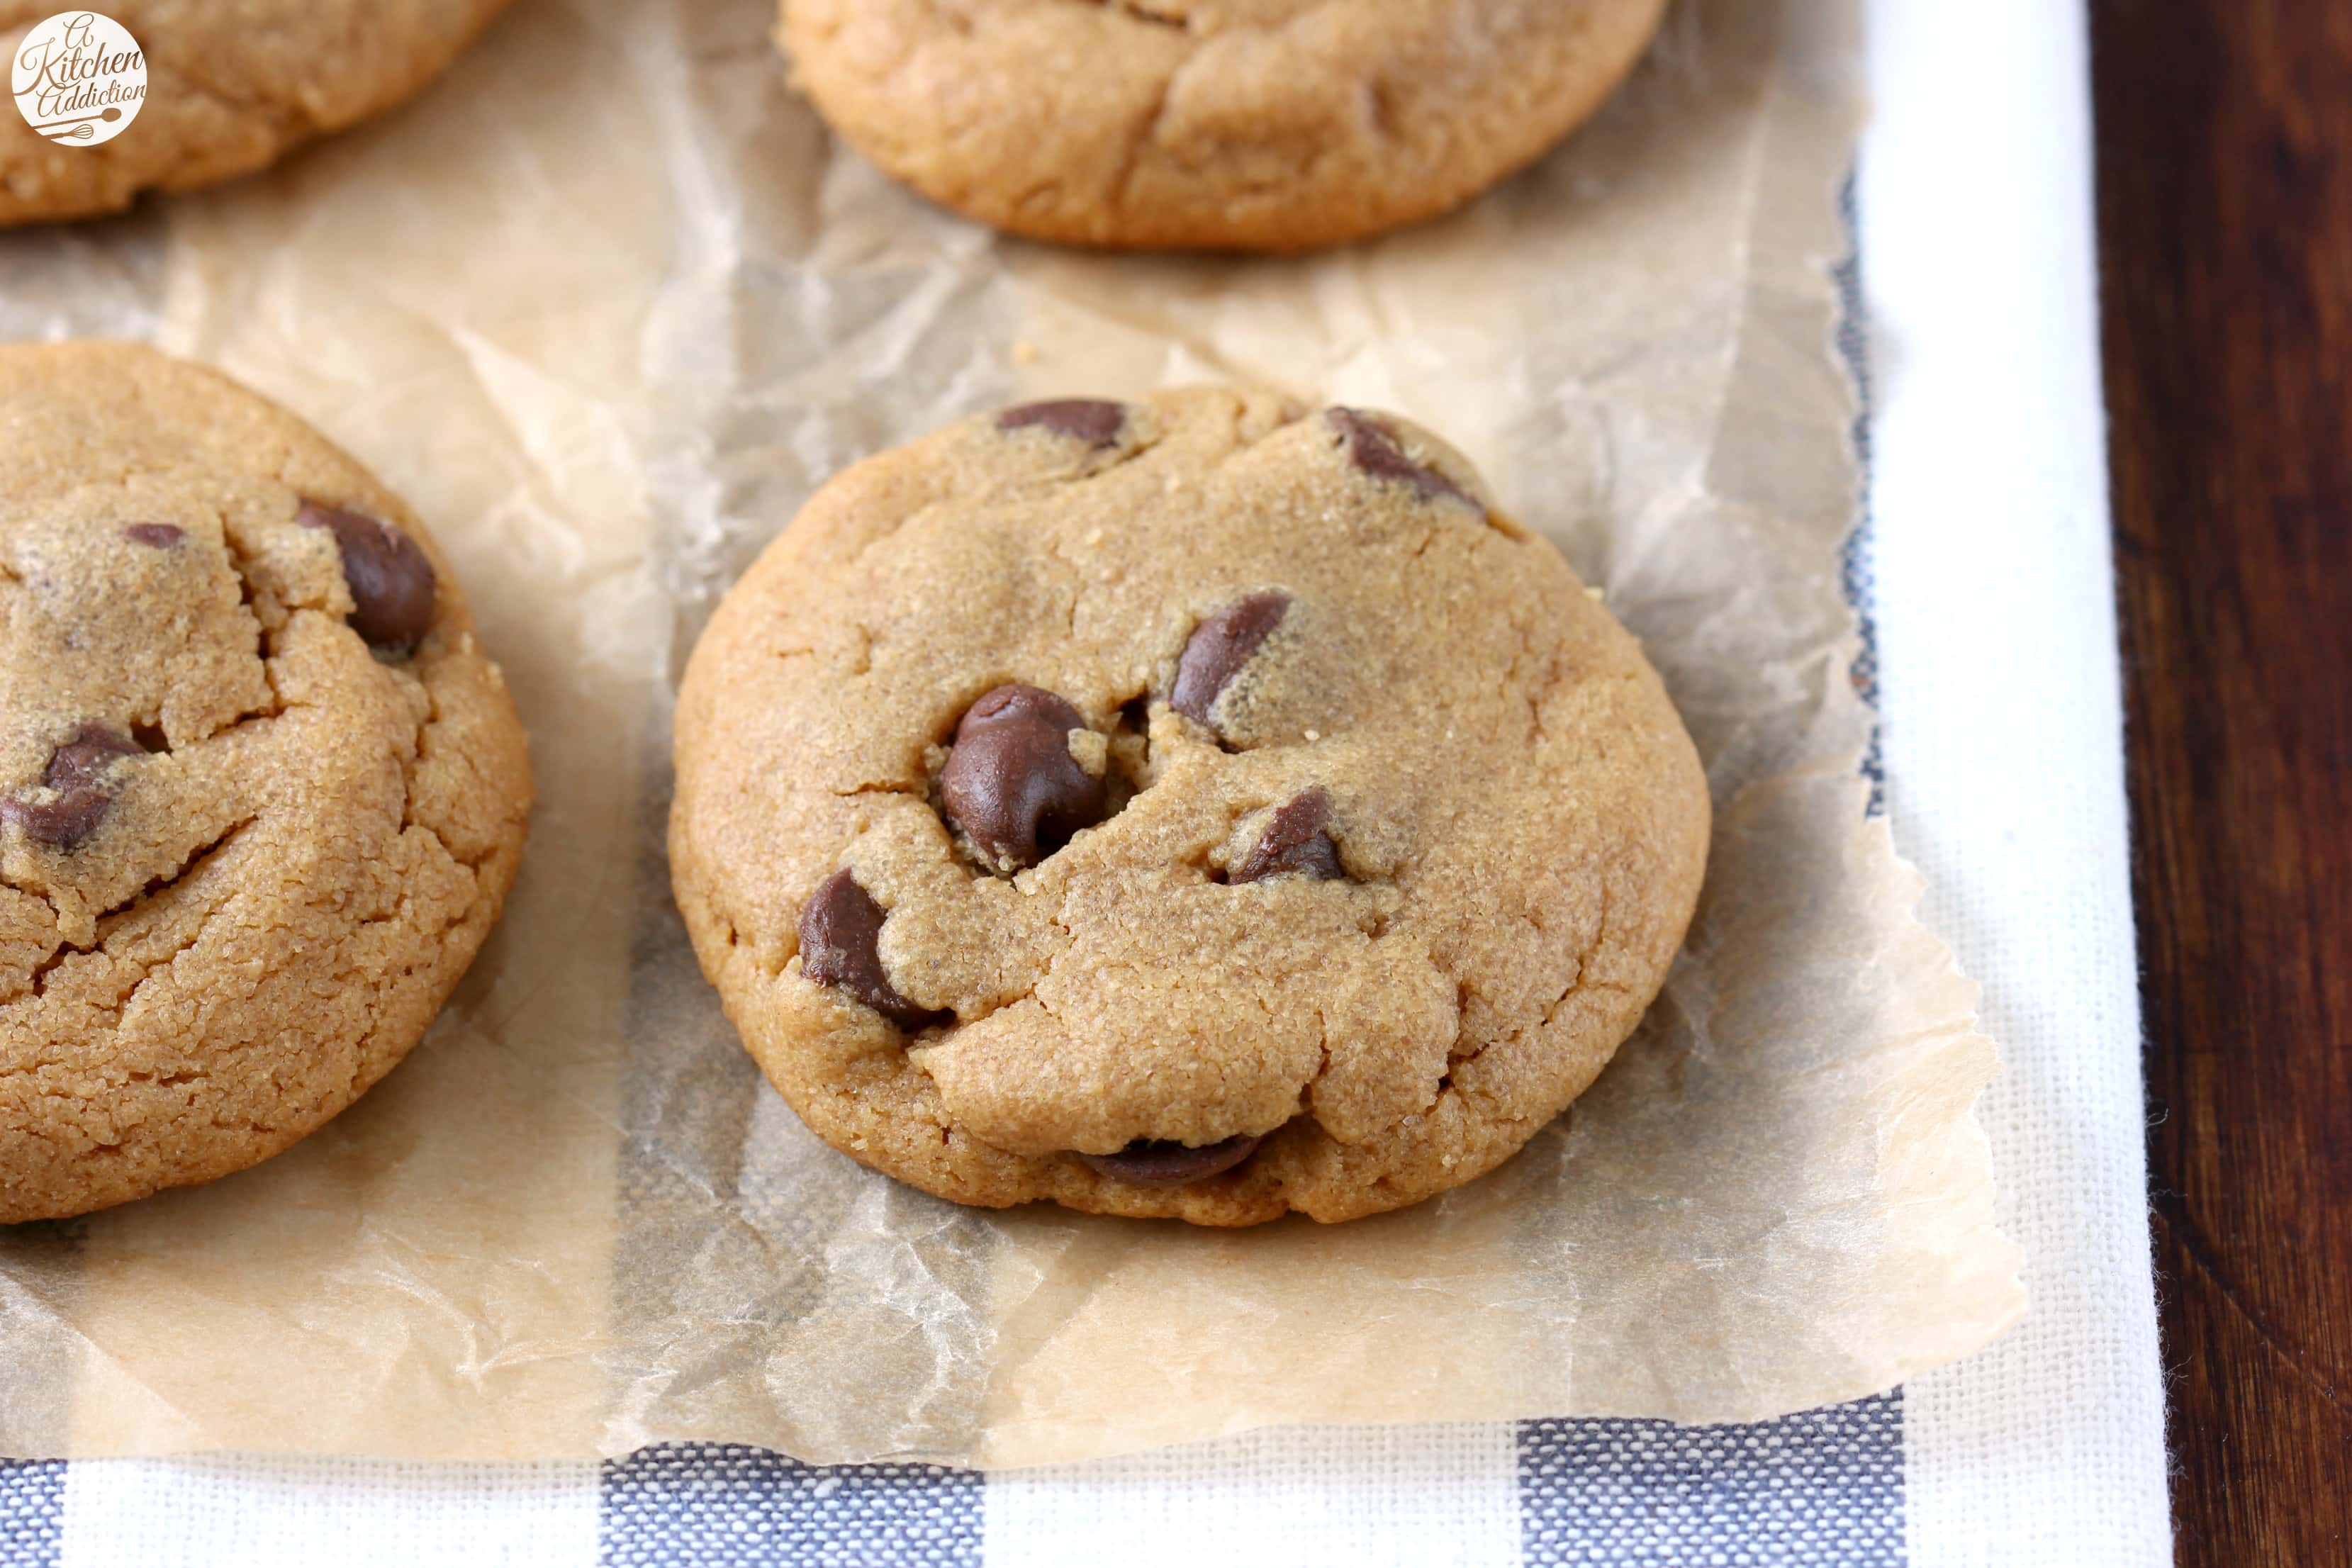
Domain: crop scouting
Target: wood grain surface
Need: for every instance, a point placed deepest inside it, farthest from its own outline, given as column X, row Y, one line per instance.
column 2225, row 229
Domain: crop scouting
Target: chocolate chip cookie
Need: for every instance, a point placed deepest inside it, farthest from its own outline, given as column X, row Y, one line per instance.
column 1248, row 124
column 261, row 793
column 229, row 89
column 1199, row 807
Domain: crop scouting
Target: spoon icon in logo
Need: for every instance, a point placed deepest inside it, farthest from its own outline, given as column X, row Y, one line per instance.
column 80, row 127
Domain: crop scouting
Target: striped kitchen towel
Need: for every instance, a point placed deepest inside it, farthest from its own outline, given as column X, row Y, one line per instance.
column 1821, row 1487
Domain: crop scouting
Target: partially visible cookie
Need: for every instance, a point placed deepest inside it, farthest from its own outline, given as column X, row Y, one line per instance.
column 261, row 793
column 1199, row 807
column 229, row 89
column 1215, row 124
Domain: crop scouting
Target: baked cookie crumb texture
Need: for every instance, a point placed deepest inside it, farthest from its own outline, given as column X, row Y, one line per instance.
column 229, row 89
column 261, row 795
column 1246, row 124
column 1199, row 807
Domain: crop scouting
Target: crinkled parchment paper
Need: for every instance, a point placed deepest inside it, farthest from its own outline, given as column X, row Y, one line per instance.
column 605, row 305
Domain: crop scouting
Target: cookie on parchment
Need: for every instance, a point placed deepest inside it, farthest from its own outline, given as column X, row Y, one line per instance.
column 1212, row 124
column 1199, row 807
column 261, row 793
column 229, row 88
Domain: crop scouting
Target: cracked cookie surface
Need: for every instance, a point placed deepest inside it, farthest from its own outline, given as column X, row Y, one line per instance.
column 1202, row 807
column 1247, row 124
column 261, row 795
column 230, row 88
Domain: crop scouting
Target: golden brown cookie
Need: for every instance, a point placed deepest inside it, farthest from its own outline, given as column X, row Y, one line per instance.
column 261, row 795
column 1245, row 124
column 229, row 89
column 1199, row 807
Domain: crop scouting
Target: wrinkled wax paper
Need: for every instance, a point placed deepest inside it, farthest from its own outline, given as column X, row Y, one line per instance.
column 606, row 305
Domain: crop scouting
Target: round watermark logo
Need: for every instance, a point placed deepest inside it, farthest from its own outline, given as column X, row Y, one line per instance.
column 80, row 79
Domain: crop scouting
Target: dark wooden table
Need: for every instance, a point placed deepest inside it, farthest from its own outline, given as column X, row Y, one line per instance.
column 2225, row 233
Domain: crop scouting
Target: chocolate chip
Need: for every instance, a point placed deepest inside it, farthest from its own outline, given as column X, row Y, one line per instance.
column 81, row 763
column 841, row 934
column 155, row 535
column 1010, row 781
column 1375, row 450
column 1295, row 843
column 390, row 578
column 76, row 771
column 1086, row 419
column 1146, row 1163
column 1218, row 649
column 62, row 822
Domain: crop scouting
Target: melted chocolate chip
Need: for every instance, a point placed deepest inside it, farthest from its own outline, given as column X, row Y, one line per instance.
column 1010, row 781
column 1086, row 419
column 390, row 578
column 1375, row 450
column 155, row 535
column 1146, row 1163
column 76, row 771
column 841, row 934
column 62, row 822
column 81, row 763
column 1218, row 649
column 1295, row 843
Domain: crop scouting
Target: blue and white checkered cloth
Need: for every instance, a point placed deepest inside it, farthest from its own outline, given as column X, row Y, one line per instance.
column 1993, row 650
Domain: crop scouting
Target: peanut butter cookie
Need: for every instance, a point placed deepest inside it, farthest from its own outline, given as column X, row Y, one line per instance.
column 1221, row 124
column 261, row 795
column 1198, row 808
column 229, row 89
